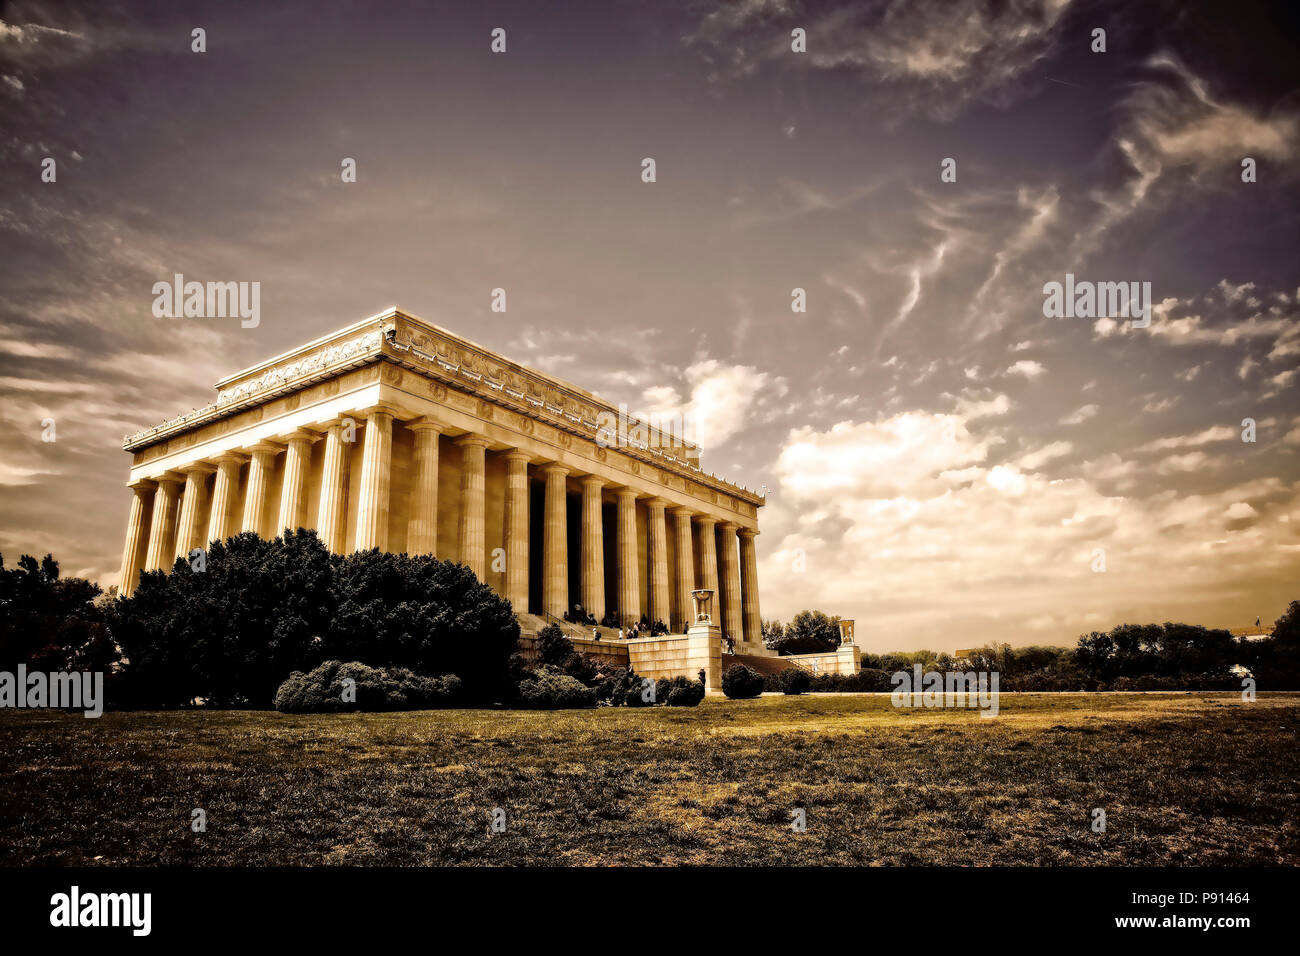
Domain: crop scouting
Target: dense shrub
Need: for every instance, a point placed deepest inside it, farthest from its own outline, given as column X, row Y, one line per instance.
column 553, row 647
column 795, row 680
column 325, row 690
column 261, row 609
column 741, row 683
column 679, row 691
column 230, row 633
column 552, row 689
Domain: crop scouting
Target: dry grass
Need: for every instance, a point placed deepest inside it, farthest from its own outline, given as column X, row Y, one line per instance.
column 1198, row 779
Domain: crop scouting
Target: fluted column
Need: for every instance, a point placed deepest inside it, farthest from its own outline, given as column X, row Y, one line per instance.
column 259, row 474
column 137, row 535
column 422, row 532
column 658, row 530
column 473, row 502
column 224, row 490
column 555, row 542
column 376, row 470
column 190, row 525
column 685, row 570
column 331, row 517
column 593, row 548
column 752, row 624
column 162, row 526
column 709, row 559
column 629, row 581
column 731, row 624
column 517, row 530
column 293, row 490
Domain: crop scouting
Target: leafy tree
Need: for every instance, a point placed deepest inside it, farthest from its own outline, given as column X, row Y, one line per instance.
column 232, row 632
column 51, row 623
column 810, row 632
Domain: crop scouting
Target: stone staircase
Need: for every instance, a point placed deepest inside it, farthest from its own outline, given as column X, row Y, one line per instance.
column 764, row 665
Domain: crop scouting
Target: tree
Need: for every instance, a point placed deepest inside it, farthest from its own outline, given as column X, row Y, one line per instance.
column 51, row 623
column 810, row 632
column 772, row 632
column 232, row 632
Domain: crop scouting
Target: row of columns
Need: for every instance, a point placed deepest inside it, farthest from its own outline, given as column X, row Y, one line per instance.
column 172, row 536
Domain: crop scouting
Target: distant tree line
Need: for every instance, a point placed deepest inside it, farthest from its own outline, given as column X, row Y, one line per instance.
column 232, row 633
column 1127, row 657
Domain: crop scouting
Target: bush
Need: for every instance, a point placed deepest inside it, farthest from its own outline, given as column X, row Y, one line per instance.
column 741, row 683
column 552, row 689
column 553, row 648
column 264, row 608
column 795, row 680
column 322, row 691
column 679, row 691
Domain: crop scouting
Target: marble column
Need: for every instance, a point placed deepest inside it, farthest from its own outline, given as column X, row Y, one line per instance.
column 162, row 526
column 376, row 471
column 331, row 517
column 259, row 476
column 593, row 548
column 682, row 614
column 422, row 532
column 709, row 559
column 293, row 490
column 516, row 530
column 752, row 624
column 658, row 532
column 629, row 581
column 473, row 504
column 190, row 525
column 731, row 622
column 224, row 490
column 137, row 535
column 555, row 542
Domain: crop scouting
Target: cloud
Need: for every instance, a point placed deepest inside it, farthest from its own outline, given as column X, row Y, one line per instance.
column 1080, row 415
column 1027, row 368
column 717, row 405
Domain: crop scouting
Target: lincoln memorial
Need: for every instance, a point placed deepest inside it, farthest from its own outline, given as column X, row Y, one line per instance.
column 396, row 434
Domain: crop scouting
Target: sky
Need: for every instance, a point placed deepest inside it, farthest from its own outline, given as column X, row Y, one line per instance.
column 944, row 462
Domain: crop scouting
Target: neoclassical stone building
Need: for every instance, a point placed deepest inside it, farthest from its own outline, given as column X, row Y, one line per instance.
column 395, row 433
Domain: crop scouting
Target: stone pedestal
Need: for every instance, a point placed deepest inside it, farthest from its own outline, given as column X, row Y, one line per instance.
column 704, row 653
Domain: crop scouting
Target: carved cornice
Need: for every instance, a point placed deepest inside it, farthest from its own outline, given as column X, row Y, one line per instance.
column 396, row 339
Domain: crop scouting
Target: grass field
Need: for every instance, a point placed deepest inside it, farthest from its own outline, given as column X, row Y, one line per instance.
column 1184, row 779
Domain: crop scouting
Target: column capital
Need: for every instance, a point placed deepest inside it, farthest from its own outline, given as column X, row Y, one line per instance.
column 424, row 424
column 555, row 468
column 264, row 448
column 142, row 484
column 748, row 532
column 170, row 478
column 518, row 454
column 681, row 511
column 383, row 408
column 707, row 520
column 626, row 492
column 729, row 527
column 231, row 457
column 198, row 468
column 300, row 434
column 471, row 440
column 657, row 503
column 593, row 481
